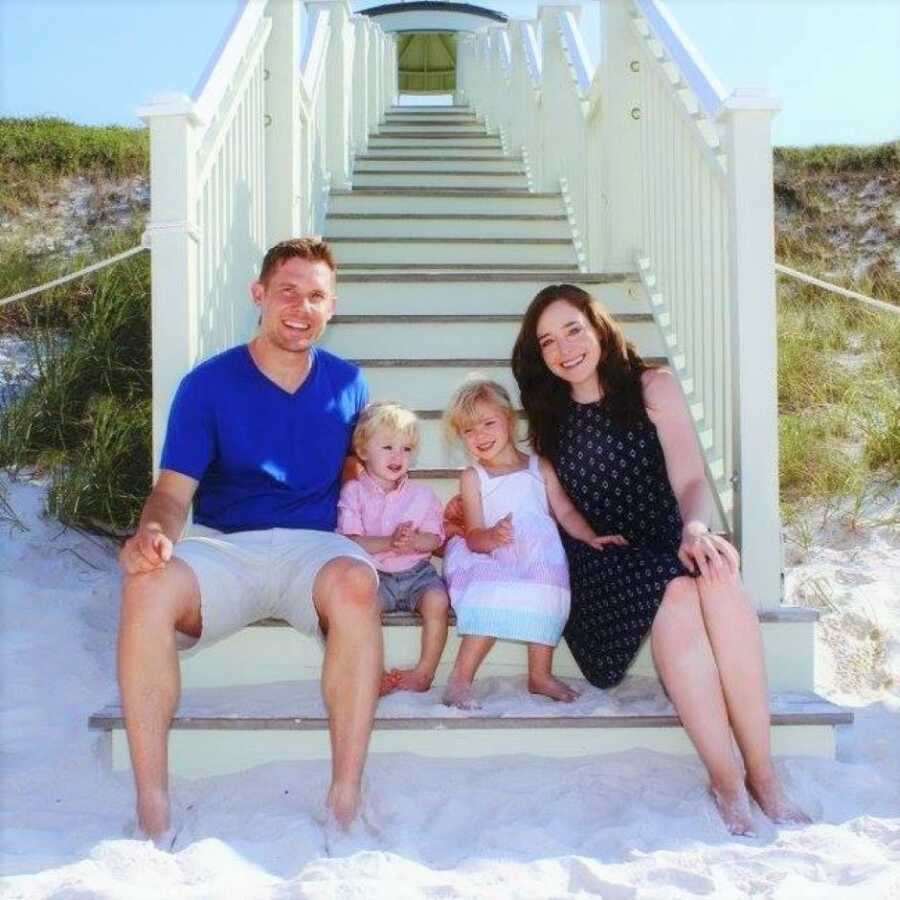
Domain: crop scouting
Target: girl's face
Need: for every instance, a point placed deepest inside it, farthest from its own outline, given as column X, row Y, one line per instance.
column 486, row 435
column 569, row 345
column 387, row 455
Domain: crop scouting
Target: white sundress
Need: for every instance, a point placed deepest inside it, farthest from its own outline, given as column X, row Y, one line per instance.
column 519, row 592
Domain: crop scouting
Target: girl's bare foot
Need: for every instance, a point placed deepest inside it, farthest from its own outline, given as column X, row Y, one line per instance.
column 768, row 792
column 410, row 680
column 461, row 695
column 734, row 808
column 551, row 687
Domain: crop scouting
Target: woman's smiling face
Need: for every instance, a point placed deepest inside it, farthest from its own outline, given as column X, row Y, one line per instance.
column 570, row 347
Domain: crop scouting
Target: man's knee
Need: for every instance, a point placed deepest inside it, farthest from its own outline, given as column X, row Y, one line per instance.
column 169, row 597
column 348, row 584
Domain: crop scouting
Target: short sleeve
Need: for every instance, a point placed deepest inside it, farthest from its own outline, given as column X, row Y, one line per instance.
column 349, row 511
column 433, row 520
column 190, row 444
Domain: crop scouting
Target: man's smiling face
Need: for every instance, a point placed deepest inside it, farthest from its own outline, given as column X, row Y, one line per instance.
column 295, row 303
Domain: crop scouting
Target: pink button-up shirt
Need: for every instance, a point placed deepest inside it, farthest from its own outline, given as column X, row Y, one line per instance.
column 368, row 509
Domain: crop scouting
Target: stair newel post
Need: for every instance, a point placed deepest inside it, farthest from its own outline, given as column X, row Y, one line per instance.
column 555, row 78
column 339, row 91
column 361, row 86
column 173, row 238
column 746, row 120
column 376, row 78
column 619, row 222
column 282, row 102
column 390, row 71
column 463, row 64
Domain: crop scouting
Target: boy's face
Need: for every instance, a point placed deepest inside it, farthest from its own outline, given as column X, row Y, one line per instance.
column 387, row 456
column 295, row 304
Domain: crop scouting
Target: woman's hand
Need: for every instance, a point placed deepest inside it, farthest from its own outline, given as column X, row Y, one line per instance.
column 707, row 553
column 599, row 541
column 502, row 533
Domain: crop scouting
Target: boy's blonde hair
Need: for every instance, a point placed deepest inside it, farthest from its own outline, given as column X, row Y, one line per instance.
column 475, row 390
column 385, row 414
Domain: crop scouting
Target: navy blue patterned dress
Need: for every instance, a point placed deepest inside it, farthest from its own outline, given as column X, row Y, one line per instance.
column 616, row 476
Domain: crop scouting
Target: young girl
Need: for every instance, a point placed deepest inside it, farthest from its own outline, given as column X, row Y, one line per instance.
column 399, row 524
column 507, row 576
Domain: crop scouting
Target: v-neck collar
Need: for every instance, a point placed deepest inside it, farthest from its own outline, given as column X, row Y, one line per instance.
column 290, row 394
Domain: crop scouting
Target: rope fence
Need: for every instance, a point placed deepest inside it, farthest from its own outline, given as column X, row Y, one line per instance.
column 836, row 289
column 67, row 278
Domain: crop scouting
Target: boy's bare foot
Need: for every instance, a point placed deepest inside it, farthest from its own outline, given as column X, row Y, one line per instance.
column 768, row 792
column 551, row 687
column 734, row 808
column 410, row 680
column 343, row 804
column 388, row 683
column 460, row 694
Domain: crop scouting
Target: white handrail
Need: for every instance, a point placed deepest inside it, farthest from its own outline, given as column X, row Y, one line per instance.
column 879, row 305
column 532, row 56
column 579, row 58
column 216, row 80
column 315, row 51
column 699, row 77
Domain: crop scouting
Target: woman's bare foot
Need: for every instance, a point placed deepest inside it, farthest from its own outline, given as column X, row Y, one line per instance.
column 551, row 687
column 343, row 804
column 734, row 808
column 410, row 680
column 460, row 694
column 768, row 792
column 153, row 815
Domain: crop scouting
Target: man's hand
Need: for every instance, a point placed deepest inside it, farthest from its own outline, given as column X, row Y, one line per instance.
column 146, row 550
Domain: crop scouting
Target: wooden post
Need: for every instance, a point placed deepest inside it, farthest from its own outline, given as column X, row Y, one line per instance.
column 390, row 71
column 282, row 98
column 747, row 120
column 361, row 84
column 618, row 200
column 339, row 87
column 173, row 238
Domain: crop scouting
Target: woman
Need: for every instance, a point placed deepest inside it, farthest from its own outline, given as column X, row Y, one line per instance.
column 619, row 435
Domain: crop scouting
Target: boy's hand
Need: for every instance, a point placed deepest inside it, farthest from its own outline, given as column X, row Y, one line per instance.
column 403, row 537
column 599, row 541
column 502, row 532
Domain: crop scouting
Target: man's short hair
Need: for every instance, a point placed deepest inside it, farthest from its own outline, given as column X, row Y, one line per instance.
column 312, row 248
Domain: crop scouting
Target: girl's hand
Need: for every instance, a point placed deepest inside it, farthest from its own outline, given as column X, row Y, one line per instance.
column 599, row 541
column 502, row 532
column 707, row 553
column 403, row 537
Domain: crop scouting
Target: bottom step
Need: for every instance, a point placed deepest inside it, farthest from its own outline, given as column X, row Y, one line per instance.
column 218, row 731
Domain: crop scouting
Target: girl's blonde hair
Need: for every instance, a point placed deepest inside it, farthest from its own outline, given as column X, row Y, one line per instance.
column 461, row 410
column 385, row 414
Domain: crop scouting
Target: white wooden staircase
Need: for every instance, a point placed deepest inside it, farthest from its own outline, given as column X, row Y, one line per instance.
column 441, row 244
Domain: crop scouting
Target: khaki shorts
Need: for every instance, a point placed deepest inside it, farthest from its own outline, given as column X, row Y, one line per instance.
column 251, row 575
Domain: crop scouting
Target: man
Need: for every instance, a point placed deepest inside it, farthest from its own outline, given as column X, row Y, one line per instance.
column 256, row 440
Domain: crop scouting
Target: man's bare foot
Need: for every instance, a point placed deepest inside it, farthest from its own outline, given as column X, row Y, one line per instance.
column 551, row 687
column 410, row 680
column 343, row 804
column 768, row 792
column 460, row 694
column 734, row 808
column 153, row 815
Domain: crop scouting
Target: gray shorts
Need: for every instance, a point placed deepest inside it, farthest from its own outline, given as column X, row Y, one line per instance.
column 251, row 575
column 402, row 591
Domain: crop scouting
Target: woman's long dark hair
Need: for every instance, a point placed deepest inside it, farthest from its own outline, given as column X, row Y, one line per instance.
column 545, row 397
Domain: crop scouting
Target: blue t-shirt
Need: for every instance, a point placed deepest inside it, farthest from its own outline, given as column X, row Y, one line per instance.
column 264, row 458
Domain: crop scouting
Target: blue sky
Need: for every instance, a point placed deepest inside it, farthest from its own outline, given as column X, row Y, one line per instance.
column 834, row 63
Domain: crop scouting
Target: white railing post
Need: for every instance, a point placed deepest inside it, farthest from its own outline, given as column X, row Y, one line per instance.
column 465, row 63
column 376, row 80
column 339, row 91
column 173, row 250
column 282, row 98
column 361, row 85
column 555, row 82
column 390, row 71
column 620, row 142
column 746, row 118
